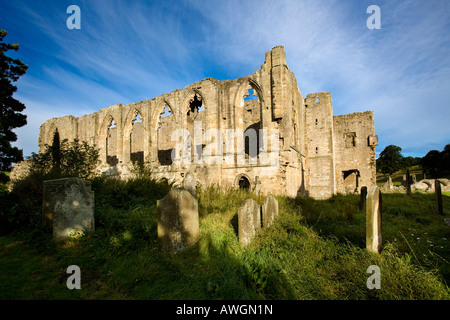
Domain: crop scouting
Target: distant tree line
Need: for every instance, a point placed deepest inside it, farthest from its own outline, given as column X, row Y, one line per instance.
column 435, row 163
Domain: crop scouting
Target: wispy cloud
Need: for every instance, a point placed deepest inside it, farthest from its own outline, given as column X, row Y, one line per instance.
column 128, row 52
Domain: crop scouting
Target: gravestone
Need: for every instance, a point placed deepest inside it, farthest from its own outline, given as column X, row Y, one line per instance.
column 408, row 183
column 373, row 219
column 178, row 221
column 437, row 191
column 269, row 211
column 249, row 220
column 190, row 184
column 68, row 207
column 257, row 187
column 447, row 221
column 362, row 199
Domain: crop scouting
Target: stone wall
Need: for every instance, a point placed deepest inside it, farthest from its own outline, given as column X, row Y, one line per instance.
column 319, row 145
column 269, row 99
column 354, row 149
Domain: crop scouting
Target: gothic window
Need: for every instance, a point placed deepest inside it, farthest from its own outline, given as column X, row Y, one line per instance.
column 111, row 144
column 137, row 140
column 195, row 106
column 165, row 128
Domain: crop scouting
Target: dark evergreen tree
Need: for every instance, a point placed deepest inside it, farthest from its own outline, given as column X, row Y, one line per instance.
column 10, row 108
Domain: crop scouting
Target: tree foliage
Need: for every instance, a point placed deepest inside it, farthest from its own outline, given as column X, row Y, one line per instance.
column 22, row 206
column 66, row 159
column 435, row 162
column 390, row 160
column 10, row 108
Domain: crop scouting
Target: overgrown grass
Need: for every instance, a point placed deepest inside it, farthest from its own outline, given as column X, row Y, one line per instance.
column 315, row 250
column 411, row 223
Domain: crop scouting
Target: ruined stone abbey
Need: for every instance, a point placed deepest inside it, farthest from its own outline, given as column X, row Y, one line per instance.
column 317, row 154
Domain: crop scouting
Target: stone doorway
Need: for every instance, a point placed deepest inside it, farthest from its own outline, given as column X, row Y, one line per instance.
column 243, row 183
column 351, row 180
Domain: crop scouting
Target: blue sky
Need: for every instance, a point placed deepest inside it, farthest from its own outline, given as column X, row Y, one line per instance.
column 129, row 51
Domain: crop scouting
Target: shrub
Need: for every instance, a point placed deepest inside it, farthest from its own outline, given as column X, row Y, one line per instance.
column 21, row 207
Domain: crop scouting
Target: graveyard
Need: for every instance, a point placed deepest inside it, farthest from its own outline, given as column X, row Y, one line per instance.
column 311, row 250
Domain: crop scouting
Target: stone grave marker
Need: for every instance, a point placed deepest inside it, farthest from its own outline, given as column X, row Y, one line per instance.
column 438, row 192
column 408, row 183
column 178, row 221
column 362, row 199
column 68, row 207
column 373, row 219
column 269, row 211
column 190, row 184
column 249, row 220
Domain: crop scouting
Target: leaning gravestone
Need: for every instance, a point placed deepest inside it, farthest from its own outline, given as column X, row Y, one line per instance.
column 437, row 190
column 178, row 221
column 68, row 207
column 190, row 184
column 362, row 199
column 408, row 183
column 249, row 220
column 269, row 211
column 373, row 219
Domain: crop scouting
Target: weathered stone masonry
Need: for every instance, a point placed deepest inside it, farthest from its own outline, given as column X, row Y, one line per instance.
column 319, row 154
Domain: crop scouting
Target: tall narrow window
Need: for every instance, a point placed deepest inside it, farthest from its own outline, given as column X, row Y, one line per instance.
column 111, row 144
column 137, row 140
column 166, row 125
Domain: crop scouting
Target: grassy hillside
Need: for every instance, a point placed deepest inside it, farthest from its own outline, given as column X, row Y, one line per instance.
column 397, row 177
column 315, row 250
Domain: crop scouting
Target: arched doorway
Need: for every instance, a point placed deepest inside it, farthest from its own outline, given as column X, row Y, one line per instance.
column 243, row 182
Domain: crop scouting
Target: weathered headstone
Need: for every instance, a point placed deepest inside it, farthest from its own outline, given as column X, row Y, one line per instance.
column 249, row 220
column 362, row 199
column 178, row 222
column 68, row 207
column 269, row 211
column 437, row 191
column 408, row 183
column 190, row 184
column 373, row 219
column 257, row 187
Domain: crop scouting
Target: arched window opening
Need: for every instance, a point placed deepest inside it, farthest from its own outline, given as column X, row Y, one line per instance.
column 252, row 123
column 195, row 106
column 167, row 112
column 166, row 126
column 111, row 144
column 195, row 114
column 137, row 119
column 251, row 95
column 137, row 140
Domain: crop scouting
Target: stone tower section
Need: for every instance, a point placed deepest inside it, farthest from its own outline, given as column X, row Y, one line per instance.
column 280, row 82
column 320, row 160
column 354, row 148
